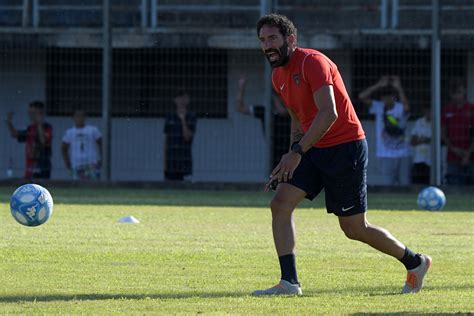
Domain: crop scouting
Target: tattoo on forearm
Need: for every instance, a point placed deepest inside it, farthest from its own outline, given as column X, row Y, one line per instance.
column 296, row 136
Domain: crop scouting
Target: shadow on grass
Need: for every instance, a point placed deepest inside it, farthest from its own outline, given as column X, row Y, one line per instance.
column 356, row 291
column 307, row 293
column 105, row 297
column 171, row 296
column 379, row 290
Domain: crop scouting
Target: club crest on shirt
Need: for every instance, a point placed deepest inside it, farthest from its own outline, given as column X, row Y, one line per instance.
column 296, row 78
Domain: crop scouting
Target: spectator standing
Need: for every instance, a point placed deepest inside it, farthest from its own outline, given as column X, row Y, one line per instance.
column 421, row 140
column 457, row 120
column 81, row 148
column 37, row 137
column 391, row 117
column 179, row 130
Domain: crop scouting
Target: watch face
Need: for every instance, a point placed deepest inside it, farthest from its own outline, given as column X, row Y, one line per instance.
column 297, row 149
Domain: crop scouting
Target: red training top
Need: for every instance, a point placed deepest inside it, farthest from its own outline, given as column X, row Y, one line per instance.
column 38, row 156
column 458, row 122
column 295, row 83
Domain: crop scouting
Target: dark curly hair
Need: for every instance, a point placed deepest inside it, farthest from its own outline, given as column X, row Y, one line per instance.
column 37, row 105
column 284, row 24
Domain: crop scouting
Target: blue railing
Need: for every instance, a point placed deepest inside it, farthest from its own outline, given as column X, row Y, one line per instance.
column 159, row 14
column 191, row 14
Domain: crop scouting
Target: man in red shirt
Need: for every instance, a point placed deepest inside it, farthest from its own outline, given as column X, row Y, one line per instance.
column 329, row 151
column 38, row 138
column 457, row 119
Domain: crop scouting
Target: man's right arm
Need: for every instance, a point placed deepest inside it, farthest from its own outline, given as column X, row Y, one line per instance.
column 365, row 95
column 296, row 131
column 240, row 103
column 445, row 137
column 11, row 128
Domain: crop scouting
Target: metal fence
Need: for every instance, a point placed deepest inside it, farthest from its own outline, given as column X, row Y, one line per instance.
column 53, row 51
column 156, row 15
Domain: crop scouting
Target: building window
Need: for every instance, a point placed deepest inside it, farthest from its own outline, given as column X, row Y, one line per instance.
column 143, row 81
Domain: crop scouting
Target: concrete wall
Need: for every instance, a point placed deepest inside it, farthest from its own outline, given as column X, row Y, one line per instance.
column 223, row 150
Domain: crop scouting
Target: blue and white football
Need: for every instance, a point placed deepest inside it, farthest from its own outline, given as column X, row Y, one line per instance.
column 431, row 199
column 31, row 205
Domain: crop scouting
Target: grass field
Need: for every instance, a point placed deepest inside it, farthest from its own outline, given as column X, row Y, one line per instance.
column 203, row 252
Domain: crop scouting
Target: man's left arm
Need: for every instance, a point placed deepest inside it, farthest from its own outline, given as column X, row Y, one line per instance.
column 327, row 115
column 41, row 134
column 188, row 130
column 45, row 134
column 396, row 82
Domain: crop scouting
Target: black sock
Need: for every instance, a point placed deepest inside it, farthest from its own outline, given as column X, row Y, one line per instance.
column 410, row 259
column 288, row 268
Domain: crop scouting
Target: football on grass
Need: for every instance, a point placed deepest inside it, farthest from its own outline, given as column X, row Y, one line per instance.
column 431, row 199
column 31, row 205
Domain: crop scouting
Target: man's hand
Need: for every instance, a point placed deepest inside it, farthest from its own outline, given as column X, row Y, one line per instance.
column 384, row 81
column 181, row 114
column 396, row 82
column 459, row 152
column 285, row 169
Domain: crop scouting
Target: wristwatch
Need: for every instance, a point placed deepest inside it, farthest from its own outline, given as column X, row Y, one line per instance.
column 297, row 149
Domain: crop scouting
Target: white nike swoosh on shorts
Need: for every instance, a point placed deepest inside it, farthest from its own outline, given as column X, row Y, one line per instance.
column 346, row 209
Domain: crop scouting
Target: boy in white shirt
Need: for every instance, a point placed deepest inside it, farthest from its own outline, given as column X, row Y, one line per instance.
column 421, row 140
column 81, row 149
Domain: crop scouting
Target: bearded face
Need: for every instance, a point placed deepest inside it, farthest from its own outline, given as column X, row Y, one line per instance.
column 275, row 47
column 278, row 57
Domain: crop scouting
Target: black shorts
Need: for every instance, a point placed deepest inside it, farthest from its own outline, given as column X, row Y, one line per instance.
column 341, row 171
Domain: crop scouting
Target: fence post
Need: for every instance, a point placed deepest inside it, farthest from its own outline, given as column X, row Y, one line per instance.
column 265, row 8
column 154, row 13
column 394, row 23
column 144, row 13
column 25, row 13
column 106, row 81
column 35, row 12
column 383, row 14
column 436, row 96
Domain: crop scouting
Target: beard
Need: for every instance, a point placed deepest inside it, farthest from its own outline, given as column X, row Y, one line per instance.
column 283, row 56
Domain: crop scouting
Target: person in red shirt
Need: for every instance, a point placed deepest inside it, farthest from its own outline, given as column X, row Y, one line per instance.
column 38, row 137
column 329, row 151
column 457, row 120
